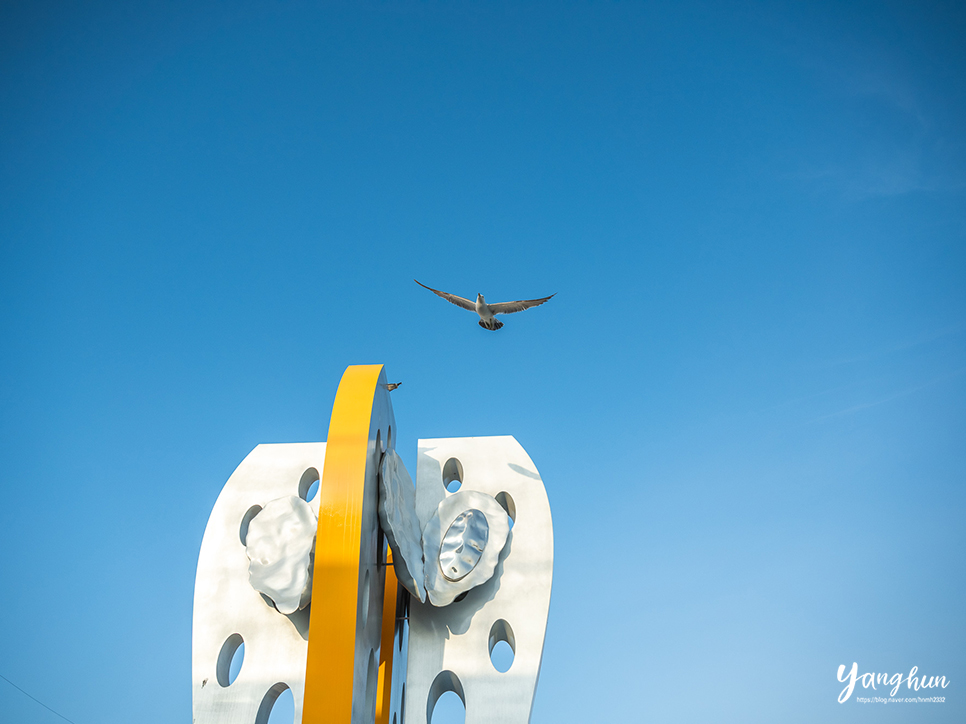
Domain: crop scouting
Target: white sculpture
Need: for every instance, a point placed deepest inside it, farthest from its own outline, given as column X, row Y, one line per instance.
column 478, row 562
column 280, row 543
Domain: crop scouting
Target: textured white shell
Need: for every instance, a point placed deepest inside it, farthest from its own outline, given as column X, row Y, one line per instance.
column 280, row 545
column 440, row 590
column 397, row 515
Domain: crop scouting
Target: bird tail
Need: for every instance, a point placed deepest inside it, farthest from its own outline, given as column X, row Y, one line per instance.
column 491, row 324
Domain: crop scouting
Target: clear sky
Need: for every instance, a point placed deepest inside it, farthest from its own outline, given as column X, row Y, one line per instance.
column 747, row 400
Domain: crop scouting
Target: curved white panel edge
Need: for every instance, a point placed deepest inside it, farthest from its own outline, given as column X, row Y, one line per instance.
column 456, row 638
column 225, row 603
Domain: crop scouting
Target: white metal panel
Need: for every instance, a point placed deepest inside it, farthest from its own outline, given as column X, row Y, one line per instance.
column 226, row 604
column 450, row 646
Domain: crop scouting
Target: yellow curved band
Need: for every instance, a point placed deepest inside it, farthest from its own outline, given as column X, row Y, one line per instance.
column 386, row 649
column 330, row 665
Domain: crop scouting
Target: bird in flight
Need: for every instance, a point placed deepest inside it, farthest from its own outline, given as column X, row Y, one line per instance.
column 486, row 311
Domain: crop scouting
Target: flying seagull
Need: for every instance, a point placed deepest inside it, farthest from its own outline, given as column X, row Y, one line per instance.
column 486, row 311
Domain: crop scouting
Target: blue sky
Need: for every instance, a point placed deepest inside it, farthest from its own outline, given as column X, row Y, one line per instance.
column 747, row 399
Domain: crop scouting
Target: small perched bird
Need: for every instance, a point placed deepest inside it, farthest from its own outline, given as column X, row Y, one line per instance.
column 392, row 385
column 486, row 311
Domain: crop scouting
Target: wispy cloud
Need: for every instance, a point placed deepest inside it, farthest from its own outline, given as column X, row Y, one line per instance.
column 881, row 137
column 910, row 343
column 889, row 398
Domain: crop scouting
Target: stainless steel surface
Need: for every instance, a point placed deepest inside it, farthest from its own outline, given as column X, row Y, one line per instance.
column 279, row 543
column 397, row 515
column 226, row 605
column 463, row 545
column 449, row 648
column 441, row 590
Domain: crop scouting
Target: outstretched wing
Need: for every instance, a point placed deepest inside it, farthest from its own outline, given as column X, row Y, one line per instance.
column 511, row 307
column 452, row 298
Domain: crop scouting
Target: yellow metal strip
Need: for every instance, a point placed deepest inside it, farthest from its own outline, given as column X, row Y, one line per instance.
column 335, row 587
column 386, row 648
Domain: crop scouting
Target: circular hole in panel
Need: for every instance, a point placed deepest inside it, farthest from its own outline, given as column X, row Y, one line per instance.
column 452, row 475
column 312, row 491
column 364, row 602
column 506, row 502
column 461, row 597
column 246, row 519
column 230, row 660
column 283, row 712
column 234, row 668
column 309, row 484
column 449, row 709
column 446, row 703
column 372, row 678
column 502, row 657
column 503, row 646
column 277, row 707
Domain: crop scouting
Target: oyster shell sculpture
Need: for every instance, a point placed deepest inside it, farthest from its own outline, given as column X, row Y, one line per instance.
column 281, row 545
column 462, row 543
column 397, row 516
